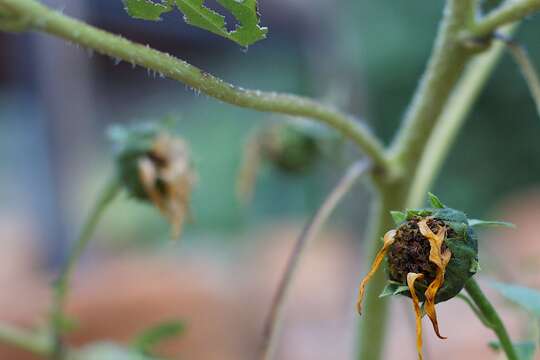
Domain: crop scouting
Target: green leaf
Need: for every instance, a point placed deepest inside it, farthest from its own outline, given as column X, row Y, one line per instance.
column 246, row 33
column 435, row 202
column 196, row 14
column 248, row 30
column 393, row 288
column 147, row 9
column 525, row 350
column 146, row 341
column 476, row 222
column 398, row 216
column 527, row 298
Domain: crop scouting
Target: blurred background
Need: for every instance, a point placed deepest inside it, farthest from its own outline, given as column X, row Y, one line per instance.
column 57, row 100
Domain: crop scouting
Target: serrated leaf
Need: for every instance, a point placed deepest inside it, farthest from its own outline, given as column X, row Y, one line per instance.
column 147, row 9
column 476, row 222
column 151, row 337
column 525, row 350
column 245, row 11
column 527, row 298
column 435, row 201
column 246, row 33
column 398, row 216
column 196, row 14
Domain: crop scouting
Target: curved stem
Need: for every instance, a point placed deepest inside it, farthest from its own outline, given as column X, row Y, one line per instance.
column 308, row 235
column 61, row 285
column 510, row 11
column 476, row 310
column 492, row 316
column 41, row 18
column 522, row 59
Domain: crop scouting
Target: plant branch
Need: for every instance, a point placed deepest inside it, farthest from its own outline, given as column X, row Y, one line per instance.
column 40, row 18
column 106, row 196
column 508, row 12
column 491, row 315
column 444, row 69
column 308, row 235
column 452, row 119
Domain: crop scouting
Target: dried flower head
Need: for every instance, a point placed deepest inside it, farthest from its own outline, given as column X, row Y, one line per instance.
column 155, row 166
column 430, row 256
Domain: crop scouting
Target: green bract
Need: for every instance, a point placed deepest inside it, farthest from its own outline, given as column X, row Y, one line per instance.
column 130, row 144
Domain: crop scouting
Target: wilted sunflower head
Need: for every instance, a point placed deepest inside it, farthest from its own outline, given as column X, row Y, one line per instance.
column 410, row 252
column 155, row 166
column 431, row 254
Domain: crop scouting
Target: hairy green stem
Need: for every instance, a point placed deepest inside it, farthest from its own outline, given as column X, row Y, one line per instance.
column 61, row 286
column 508, row 12
column 491, row 315
column 41, row 18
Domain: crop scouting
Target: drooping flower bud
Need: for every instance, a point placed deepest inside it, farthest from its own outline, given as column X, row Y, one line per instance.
column 291, row 148
column 155, row 166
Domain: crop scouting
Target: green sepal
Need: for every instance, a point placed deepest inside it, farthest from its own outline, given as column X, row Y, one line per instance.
column 483, row 223
column 398, row 217
column 393, row 288
column 436, row 203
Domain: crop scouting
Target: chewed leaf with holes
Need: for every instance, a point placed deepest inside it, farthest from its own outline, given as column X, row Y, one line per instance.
column 246, row 32
column 147, row 9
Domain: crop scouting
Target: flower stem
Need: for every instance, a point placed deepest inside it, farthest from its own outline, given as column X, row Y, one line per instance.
column 61, row 286
column 309, row 233
column 40, row 18
column 491, row 315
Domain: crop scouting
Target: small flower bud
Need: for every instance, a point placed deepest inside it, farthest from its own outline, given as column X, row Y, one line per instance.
column 155, row 166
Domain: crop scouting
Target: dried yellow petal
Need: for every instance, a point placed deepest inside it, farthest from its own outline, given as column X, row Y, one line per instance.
column 411, row 278
column 441, row 259
column 388, row 240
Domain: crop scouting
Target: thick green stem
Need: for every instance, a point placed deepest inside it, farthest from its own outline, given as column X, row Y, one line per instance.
column 444, row 69
column 40, row 18
column 510, row 11
column 489, row 313
column 106, row 196
column 375, row 309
